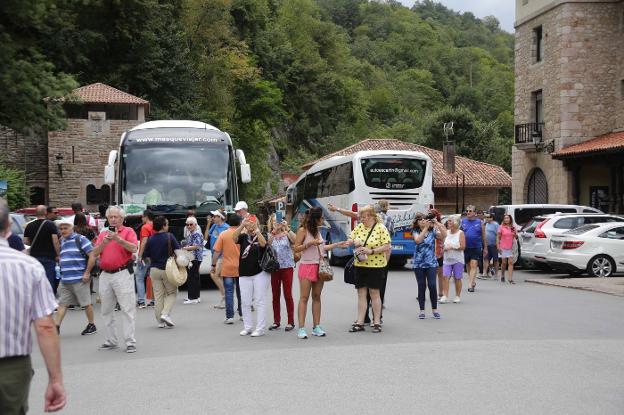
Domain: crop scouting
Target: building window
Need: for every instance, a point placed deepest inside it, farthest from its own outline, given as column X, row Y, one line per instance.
column 537, row 107
column 537, row 44
column 37, row 195
column 97, row 196
column 537, row 187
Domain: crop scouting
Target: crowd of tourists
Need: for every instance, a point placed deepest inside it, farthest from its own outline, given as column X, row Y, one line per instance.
column 65, row 255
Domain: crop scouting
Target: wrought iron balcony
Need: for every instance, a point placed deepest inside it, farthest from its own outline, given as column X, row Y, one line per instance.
column 529, row 133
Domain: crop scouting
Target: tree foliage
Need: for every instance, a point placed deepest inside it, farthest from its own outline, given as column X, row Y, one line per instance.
column 295, row 78
column 18, row 192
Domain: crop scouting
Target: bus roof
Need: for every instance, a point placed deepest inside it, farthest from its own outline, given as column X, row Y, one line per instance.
column 174, row 124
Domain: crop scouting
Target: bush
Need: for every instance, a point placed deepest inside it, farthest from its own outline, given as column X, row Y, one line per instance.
column 18, row 192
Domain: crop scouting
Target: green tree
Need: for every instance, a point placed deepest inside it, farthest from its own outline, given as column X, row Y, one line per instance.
column 18, row 192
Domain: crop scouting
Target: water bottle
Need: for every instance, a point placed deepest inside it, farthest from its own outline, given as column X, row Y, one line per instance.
column 57, row 270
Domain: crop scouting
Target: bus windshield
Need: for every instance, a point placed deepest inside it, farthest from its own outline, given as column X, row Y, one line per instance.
column 393, row 173
column 174, row 176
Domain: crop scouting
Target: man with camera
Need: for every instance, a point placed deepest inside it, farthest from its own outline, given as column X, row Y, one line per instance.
column 115, row 247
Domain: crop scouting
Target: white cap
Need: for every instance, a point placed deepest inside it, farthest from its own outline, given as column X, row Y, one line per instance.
column 241, row 205
column 64, row 221
column 217, row 213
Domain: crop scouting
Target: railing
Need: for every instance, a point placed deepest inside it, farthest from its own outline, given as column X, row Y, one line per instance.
column 529, row 133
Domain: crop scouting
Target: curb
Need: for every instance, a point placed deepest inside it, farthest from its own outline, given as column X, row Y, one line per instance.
column 583, row 288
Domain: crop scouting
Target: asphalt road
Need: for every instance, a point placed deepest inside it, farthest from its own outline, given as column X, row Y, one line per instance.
column 523, row 349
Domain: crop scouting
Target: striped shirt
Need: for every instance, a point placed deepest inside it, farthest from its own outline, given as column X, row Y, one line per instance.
column 25, row 296
column 73, row 262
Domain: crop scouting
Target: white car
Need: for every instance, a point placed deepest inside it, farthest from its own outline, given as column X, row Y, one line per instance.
column 535, row 236
column 597, row 249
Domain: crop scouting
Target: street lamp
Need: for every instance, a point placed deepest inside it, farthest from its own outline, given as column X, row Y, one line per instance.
column 59, row 162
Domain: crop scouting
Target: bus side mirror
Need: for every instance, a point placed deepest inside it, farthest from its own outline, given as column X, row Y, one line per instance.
column 109, row 169
column 244, row 167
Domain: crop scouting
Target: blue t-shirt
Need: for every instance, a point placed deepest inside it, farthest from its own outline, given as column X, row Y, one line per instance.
column 73, row 263
column 473, row 233
column 424, row 252
column 215, row 231
column 491, row 229
column 157, row 249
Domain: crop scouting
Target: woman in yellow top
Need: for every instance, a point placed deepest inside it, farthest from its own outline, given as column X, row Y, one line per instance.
column 371, row 241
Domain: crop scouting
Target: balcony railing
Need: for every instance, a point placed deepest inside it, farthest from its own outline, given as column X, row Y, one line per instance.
column 529, row 133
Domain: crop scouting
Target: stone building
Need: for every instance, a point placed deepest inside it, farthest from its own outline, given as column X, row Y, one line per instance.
column 569, row 103
column 68, row 166
column 473, row 183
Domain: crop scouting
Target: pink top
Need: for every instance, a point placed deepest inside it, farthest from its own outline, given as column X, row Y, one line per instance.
column 310, row 255
column 507, row 236
column 114, row 255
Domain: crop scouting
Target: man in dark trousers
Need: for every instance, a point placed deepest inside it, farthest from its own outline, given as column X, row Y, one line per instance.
column 42, row 236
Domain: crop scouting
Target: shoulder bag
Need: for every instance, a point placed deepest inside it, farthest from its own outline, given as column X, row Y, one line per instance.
column 176, row 275
column 349, row 269
column 269, row 262
column 325, row 273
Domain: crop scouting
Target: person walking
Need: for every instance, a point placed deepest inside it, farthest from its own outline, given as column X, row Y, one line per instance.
column 227, row 252
column 42, row 236
column 504, row 243
column 143, row 264
column 28, row 297
column 115, row 247
column 453, row 265
column 311, row 245
column 156, row 253
column 212, row 234
column 77, row 208
column 425, row 232
column 281, row 240
column 254, row 282
column 81, row 227
column 491, row 234
column 76, row 264
column 474, row 231
column 195, row 245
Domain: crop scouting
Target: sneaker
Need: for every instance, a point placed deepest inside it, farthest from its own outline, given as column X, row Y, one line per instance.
column 162, row 325
column 72, row 307
column 167, row 320
column 245, row 332
column 503, row 278
column 302, row 333
column 108, row 346
column 240, row 318
column 436, row 315
column 318, row 331
column 221, row 305
column 421, row 315
column 131, row 349
column 187, row 301
column 443, row 299
column 228, row 321
column 274, row 326
column 482, row 277
column 141, row 305
column 90, row 329
column 457, row 300
column 257, row 333
column 151, row 304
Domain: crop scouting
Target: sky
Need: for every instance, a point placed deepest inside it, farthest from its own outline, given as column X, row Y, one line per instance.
column 503, row 10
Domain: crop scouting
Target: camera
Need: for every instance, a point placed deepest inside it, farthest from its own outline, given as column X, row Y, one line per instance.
column 111, row 229
column 430, row 216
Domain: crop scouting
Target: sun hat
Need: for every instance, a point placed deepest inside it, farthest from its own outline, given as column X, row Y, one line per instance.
column 241, row 205
column 218, row 213
column 64, row 221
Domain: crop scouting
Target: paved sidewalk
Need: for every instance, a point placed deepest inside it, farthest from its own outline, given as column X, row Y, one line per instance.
column 613, row 285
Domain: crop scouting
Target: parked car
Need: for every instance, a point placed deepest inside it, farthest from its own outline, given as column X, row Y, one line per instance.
column 18, row 223
column 522, row 214
column 535, row 235
column 597, row 249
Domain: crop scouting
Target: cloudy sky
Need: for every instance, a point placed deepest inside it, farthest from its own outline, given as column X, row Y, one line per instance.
column 504, row 10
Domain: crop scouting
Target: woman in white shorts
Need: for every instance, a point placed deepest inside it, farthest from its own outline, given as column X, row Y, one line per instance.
column 504, row 243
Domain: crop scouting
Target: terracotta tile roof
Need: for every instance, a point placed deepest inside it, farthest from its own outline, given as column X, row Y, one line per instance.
column 478, row 174
column 603, row 143
column 100, row 93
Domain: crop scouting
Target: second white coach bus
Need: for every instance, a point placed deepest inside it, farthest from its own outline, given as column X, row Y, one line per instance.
column 403, row 178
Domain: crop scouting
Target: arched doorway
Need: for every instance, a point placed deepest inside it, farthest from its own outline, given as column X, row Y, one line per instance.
column 537, row 187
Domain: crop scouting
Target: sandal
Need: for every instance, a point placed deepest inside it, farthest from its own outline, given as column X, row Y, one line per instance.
column 377, row 328
column 356, row 327
column 289, row 327
column 275, row 326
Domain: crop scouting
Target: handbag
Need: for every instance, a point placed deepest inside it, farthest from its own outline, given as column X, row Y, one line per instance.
column 325, row 273
column 269, row 262
column 176, row 275
column 349, row 269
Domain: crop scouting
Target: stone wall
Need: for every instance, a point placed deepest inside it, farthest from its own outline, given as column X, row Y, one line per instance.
column 85, row 146
column 25, row 152
column 579, row 75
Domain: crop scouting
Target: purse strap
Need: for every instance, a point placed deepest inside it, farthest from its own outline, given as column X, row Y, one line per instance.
column 169, row 244
column 38, row 230
column 369, row 234
column 318, row 247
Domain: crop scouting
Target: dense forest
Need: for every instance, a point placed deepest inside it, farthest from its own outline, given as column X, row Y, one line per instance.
column 290, row 80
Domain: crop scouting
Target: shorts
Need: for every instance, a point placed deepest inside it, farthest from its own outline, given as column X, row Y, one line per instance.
column 455, row 270
column 473, row 254
column 367, row 277
column 492, row 253
column 506, row 253
column 76, row 293
column 440, row 261
column 308, row 272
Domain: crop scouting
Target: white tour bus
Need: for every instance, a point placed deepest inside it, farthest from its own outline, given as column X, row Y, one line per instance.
column 403, row 178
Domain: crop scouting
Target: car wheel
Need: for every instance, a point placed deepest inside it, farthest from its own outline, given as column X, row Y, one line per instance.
column 601, row 266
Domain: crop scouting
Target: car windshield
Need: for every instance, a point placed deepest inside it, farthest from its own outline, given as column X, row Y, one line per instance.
column 174, row 176
column 581, row 230
column 393, row 173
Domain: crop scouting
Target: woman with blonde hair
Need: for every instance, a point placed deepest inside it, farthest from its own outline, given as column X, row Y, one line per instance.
column 453, row 263
column 371, row 240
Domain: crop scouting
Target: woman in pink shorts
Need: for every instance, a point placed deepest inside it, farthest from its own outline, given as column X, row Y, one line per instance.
column 311, row 245
column 453, row 262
